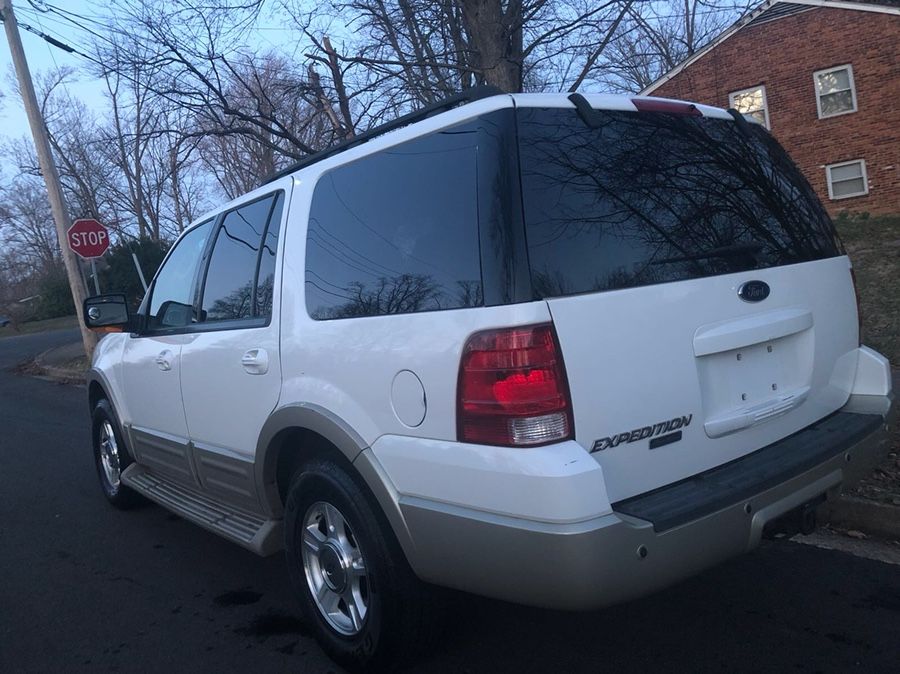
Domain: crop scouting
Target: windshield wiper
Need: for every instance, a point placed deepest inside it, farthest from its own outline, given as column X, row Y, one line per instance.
column 734, row 250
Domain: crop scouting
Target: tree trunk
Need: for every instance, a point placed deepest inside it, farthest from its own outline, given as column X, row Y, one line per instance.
column 496, row 37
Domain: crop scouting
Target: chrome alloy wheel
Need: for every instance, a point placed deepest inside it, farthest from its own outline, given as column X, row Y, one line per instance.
column 335, row 569
column 109, row 455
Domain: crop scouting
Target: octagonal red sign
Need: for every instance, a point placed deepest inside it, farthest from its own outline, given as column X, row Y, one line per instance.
column 88, row 238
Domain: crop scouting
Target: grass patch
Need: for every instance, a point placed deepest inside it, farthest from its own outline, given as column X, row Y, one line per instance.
column 873, row 244
column 40, row 326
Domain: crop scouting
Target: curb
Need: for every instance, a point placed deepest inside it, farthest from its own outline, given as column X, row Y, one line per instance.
column 58, row 374
column 61, row 375
column 870, row 517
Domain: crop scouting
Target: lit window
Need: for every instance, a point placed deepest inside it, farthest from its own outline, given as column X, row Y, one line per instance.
column 847, row 179
column 751, row 103
column 835, row 92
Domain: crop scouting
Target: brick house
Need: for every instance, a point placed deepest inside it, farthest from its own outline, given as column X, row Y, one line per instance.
column 825, row 78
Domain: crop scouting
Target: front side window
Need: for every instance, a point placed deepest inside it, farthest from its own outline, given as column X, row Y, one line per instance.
column 835, row 91
column 751, row 103
column 171, row 300
column 847, row 179
column 230, row 291
column 648, row 197
column 397, row 232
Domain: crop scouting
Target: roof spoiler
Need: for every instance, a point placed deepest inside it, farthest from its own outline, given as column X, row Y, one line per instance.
column 594, row 119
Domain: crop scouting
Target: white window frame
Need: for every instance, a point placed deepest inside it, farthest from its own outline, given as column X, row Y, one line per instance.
column 865, row 179
column 849, row 69
column 765, row 100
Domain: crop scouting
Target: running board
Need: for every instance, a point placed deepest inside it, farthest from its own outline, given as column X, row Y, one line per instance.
column 254, row 532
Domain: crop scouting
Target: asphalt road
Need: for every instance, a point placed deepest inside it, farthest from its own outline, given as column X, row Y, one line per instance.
column 84, row 587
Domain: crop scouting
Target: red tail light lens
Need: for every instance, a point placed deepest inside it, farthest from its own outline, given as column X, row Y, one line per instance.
column 512, row 389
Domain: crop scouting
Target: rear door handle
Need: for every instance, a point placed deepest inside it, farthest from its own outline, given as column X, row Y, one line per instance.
column 255, row 361
column 165, row 360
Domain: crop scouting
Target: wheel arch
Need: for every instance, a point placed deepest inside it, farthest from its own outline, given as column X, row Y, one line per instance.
column 98, row 388
column 296, row 432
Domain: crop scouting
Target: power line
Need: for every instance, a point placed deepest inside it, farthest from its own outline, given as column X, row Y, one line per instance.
column 60, row 29
column 41, row 26
column 59, row 44
column 65, row 15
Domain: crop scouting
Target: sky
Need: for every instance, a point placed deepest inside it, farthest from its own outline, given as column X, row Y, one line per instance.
column 42, row 56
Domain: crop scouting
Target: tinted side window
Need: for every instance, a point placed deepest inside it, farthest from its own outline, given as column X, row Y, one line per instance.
column 265, row 279
column 171, row 302
column 229, row 289
column 397, row 232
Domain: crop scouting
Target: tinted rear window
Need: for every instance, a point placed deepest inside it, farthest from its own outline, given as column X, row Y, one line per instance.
column 652, row 197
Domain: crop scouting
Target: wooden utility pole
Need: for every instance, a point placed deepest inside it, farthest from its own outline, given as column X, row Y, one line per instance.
column 48, row 168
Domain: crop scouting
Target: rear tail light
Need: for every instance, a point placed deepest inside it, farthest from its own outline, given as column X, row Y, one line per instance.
column 512, row 389
column 859, row 316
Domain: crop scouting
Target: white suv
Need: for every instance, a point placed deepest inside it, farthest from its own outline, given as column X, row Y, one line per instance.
column 557, row 350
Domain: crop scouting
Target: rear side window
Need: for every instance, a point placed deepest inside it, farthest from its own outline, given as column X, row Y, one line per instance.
column 232, row 287
column 397, row 232
column 652, row 197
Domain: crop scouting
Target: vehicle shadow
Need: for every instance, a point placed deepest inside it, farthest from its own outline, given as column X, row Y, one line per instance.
column 785, row 607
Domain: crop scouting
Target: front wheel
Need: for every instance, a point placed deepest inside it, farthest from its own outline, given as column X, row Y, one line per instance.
column 111, row 456
column 355, row 587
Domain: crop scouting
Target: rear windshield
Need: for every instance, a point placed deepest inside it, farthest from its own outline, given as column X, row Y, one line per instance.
column 652, row 197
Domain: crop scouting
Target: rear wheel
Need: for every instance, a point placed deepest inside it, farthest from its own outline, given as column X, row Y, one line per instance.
column 356, row 590
column 110, row 456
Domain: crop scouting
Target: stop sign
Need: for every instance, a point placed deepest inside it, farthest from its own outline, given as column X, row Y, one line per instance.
column 88, row 238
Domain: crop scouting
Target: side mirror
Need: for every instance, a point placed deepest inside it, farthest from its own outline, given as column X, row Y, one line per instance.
column 107, row 313
column 175, row 314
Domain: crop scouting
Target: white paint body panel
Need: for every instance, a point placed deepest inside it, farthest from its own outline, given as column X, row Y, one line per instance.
column 226, row 406
column 645, row 355
column 558, row 483
column 152, row 395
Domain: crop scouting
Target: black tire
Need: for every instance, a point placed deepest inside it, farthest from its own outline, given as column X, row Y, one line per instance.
column 104, row 419
column 399, row 618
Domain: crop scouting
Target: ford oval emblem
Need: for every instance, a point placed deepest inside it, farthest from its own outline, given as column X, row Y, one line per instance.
column 753, row 291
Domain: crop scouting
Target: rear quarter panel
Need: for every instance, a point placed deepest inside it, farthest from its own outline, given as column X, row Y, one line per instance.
column 348, row 366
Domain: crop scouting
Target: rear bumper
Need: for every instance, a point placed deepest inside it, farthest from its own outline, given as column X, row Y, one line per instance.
column 621, row 555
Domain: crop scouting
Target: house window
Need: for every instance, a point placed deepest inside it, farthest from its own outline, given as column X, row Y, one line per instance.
column 751, row 103
column 835, row 91
column 847, row 179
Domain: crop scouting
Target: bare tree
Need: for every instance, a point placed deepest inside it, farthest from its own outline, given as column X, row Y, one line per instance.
column 401, row 54
column 267, row 86
column 79, row 143
column 27, row 226
column 137, row 171
column 657, row 36
column 206, row 62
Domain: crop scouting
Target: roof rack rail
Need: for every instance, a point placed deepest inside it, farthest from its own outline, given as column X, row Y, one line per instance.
column 473, row 94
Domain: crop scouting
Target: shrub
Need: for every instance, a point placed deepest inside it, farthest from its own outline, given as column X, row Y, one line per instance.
column 54, row 297
column 120, row 274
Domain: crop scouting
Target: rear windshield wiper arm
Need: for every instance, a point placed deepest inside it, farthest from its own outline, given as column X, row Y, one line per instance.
column 722, row 251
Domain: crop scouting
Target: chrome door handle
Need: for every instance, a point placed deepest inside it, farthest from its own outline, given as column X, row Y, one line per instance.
column 164, row 360
column 255, row 361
